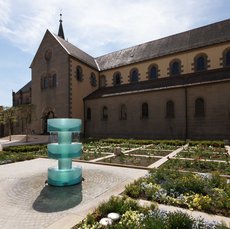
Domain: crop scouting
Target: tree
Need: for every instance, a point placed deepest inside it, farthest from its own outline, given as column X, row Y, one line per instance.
column 25, row 113
column 8, row 117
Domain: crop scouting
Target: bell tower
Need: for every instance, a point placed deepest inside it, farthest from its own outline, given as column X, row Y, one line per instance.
column 60, row 30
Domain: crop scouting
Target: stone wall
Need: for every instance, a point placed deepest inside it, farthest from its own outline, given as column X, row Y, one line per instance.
column 214, row 125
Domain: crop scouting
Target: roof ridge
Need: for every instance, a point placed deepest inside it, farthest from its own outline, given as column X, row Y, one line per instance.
column 76, row 52
column 211, row 34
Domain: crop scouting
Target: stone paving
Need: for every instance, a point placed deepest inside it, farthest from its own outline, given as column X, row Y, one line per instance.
column 28, row 202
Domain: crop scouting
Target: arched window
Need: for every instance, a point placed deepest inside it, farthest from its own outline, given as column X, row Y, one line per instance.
column 170, row 109
column 79, row 73
column 199, row 107
column 226, row 57
column 153, row 72
column 145, row 110
column 134, row 75
column 200, row 63
column 102, row 81
column 48, row 55
column 123, row 112
column 54, row 80
column 93, row 80
column 46, row 82
column 117, row 78
column 175, row 68
column 42, row 82
column 104, row 113
column 88, row 114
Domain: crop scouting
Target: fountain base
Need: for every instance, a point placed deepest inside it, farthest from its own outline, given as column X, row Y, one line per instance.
column 64, row 177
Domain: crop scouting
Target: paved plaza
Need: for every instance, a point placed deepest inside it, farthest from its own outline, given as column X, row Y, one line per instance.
column 28, row 202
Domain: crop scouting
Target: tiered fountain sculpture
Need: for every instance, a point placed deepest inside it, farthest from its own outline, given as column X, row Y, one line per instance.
column 64, row 150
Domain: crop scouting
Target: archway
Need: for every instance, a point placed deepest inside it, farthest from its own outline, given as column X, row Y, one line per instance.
column 47, row 114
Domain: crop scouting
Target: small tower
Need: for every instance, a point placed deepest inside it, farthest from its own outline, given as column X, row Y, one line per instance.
column 60, row 30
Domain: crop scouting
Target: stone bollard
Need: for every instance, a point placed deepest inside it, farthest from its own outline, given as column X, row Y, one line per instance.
column 117, row 151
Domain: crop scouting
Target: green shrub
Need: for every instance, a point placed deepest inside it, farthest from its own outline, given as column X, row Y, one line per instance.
column 133, row 190
column 21, row 153
column 179, row 220
column 136, row 217
column 25, row 148
column 154, row 220
column 116, row 204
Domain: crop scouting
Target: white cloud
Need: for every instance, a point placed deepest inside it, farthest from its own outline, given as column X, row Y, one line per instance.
column 4, row 12
column 99, row 26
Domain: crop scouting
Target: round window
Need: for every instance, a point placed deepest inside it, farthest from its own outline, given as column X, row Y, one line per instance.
column 48, row 54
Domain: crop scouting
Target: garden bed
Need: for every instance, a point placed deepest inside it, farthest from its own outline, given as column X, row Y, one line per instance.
column 130, row 160
column 163, row 147
column 134, row 216
column 186, row 190
column 197, row 166
column 204, row 151
column 150, row 152
column 87, row 156
column 204, row 155
column 101, row 147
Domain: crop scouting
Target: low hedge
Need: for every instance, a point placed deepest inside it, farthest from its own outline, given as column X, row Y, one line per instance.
column 25, row 148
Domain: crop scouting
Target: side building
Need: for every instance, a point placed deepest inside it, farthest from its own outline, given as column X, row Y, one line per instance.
column 176, row 87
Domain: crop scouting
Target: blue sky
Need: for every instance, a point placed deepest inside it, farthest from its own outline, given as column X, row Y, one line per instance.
column 97, row 27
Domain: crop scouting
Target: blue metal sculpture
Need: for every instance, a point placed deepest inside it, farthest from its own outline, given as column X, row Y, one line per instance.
column 64, row 150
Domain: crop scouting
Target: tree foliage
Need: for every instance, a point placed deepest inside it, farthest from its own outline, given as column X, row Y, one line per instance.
column 25, row 112
column 8, row 116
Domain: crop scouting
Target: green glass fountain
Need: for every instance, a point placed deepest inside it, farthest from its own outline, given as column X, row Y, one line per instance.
column 64, row 150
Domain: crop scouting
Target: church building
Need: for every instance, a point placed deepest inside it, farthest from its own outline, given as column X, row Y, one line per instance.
column 176, row 87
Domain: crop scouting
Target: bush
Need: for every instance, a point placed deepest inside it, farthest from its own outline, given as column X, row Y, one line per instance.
column 22, row 153
column 133, row 190
column 116, row 204
column 179, row 220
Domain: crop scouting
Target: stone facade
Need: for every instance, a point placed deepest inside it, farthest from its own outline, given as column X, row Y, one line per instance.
column 50, row 83
column 172, row 88
column 182, row 123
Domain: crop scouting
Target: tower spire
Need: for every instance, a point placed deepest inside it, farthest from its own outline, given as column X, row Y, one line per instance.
column 60, row 30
